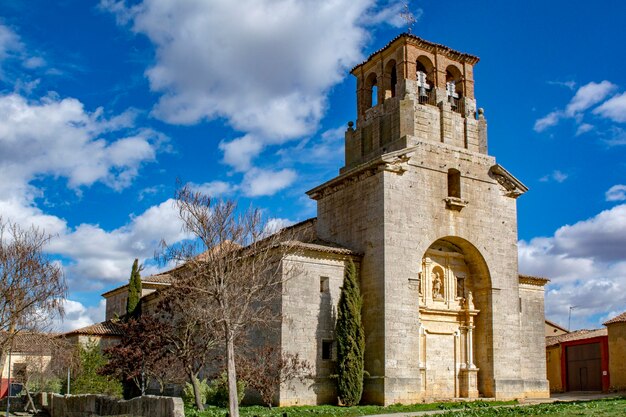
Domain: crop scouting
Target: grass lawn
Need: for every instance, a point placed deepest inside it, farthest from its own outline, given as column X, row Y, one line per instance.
column 602, row 408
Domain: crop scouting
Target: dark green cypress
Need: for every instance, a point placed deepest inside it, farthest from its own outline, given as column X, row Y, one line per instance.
column 350, row 340
column 134, row 290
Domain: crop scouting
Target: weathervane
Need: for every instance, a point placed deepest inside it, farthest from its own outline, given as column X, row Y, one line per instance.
column 408, row 17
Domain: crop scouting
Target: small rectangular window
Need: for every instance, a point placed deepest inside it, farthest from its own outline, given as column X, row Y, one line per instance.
column 324, row 284
column 327, row 349
column 520, row 304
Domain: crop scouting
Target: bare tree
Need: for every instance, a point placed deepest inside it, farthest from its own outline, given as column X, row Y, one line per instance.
column 187, row 333
column 234, row 264
column 266, row 369
column 32, row 285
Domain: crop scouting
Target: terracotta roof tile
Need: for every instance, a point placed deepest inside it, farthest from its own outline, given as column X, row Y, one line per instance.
column 28, row 342
column 576, row 335
column 619, row 319
column 472, row 58
column 105, row 328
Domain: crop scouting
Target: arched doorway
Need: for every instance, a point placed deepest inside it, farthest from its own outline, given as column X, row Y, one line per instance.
column 455, row 321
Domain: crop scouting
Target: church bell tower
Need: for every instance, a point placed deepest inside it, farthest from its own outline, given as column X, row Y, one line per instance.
column 434, row 217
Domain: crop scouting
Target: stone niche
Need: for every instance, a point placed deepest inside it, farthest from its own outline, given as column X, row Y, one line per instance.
column 447, row 315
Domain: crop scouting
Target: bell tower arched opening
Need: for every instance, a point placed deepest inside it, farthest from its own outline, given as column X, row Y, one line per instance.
column 455, row 321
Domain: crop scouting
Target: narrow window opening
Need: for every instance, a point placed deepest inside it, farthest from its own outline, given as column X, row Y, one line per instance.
column 460, row 287
column 454, row 183
column 520, row 304
column 327, row 350
column 324, row 284
column 394, row 81
column 374, row 95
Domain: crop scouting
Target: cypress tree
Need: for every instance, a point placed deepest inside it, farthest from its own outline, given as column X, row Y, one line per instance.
column 350, row 340
column 134, row 290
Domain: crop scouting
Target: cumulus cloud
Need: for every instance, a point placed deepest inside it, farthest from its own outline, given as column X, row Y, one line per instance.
column 616, row 193
column 101, row 257
column 262, row 182
column 259, row 64
column 78, row 315
column 58, row 137
column 614, row 108
column 587, row 267
column 238, row 153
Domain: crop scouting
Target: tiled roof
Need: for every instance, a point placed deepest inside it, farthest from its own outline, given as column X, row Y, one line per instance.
column 619, row 319
column 105, row 328
column 577, row 335
column 553, row 324
column 320, row 246
column 472, row 58
column 28, row 342
column 529, row 279
column 158, row 279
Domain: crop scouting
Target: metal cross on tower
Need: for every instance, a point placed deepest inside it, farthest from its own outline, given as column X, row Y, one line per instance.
column 408, row 17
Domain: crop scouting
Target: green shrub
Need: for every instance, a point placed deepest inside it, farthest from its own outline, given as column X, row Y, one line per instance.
column 188, row 397
column 217, row 393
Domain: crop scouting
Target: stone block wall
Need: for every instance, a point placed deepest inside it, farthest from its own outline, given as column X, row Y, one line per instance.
column 532, row 330
column 90, row 405
column 617, row 355
column 309, row 310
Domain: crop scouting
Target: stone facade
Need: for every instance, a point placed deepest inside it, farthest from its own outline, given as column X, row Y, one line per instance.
column 434, row 217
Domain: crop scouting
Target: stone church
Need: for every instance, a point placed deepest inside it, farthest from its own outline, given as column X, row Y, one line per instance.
column 430, row 219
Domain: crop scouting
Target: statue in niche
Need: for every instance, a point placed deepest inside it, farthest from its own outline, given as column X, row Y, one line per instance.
column 437, row 285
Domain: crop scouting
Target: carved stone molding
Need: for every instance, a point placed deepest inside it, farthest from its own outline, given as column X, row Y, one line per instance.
column 514, row 187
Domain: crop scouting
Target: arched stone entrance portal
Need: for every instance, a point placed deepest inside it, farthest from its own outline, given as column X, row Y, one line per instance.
column 455, row 321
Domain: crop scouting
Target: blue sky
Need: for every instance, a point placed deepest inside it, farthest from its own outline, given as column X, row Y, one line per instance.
column 103, row 105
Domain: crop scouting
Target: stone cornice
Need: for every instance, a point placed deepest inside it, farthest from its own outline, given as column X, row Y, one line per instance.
column 392, row 162
column 514, row 187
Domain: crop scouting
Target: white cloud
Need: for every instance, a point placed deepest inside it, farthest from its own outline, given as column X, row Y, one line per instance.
column 275, row 224
column 571, row 84
column 584, row 128
column 77, row 315
column 556, row 175
column 238, row 153
column 614, row 108
column 261, row 182
column 57, row 137
column 214, row 188
column 589, row 95
column 586, row 97
column 34, row 62
column 616, row 193
column 587, row 267
column 549, row 120
column 9, row 42
column 265, row 66
column 101, row 256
